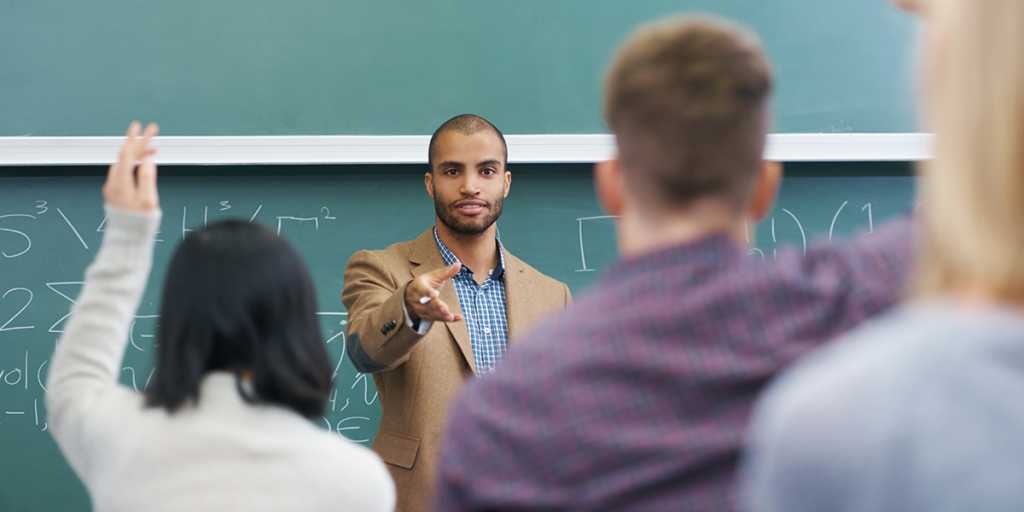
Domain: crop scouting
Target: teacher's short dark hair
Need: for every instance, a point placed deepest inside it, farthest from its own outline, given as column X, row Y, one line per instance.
column 238, row 298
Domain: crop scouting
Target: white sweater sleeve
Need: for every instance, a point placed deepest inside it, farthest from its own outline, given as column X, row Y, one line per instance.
column 87, row 361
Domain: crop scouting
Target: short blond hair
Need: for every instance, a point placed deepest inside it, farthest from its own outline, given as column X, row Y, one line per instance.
column 972, row 215
column 687, row 100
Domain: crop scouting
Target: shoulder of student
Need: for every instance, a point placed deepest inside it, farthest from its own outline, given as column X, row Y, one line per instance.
column 358, row 474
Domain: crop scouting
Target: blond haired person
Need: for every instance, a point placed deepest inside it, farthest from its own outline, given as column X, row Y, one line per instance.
column 923, row 409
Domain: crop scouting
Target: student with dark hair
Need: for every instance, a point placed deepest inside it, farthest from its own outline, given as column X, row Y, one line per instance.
column 216, row 317
column 241, row 368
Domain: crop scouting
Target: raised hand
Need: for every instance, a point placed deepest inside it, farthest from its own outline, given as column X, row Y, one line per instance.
column 125, row 188
column 423, row 296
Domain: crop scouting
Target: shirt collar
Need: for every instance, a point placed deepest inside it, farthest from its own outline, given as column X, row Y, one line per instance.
column 709, row 254
column 450, row 259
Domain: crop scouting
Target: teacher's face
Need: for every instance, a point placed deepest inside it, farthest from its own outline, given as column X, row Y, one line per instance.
column 468, row 181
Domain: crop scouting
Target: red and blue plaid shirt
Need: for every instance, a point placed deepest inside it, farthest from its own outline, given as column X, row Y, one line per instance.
column 638, row 397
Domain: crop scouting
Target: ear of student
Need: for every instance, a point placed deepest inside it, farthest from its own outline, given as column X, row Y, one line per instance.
column 610, row 187
column 766, row 188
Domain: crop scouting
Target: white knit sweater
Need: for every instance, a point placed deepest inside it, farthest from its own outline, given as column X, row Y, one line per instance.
column 222, row 454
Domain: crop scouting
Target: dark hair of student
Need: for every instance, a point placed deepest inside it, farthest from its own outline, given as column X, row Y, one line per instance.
column 238, row 298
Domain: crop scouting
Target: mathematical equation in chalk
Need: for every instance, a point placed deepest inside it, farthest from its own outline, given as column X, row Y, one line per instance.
column 34, row 314
column 865, row 217
column 28, row 374
column 16, row 228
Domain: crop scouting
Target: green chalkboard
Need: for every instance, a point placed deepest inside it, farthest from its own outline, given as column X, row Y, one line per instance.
column 317, row 67
column 51, row 222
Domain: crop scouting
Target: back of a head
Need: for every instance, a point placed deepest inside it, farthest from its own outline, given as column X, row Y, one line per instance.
column 973, row 191
column 238, row 298
column 687, row 100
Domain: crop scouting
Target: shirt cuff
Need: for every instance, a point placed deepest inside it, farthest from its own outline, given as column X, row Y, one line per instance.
column 421, row 327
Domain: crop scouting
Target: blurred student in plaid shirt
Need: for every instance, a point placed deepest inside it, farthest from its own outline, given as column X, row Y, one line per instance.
column 638, row 398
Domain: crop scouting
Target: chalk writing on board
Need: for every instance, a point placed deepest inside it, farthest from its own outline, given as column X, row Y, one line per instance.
column 752, row 251
column 51, row 286
column 40, row 234
column 256, row 213
column 583, row 252
column 7, row 325
column 28, row 241
column 72, row 226
column 316, row 221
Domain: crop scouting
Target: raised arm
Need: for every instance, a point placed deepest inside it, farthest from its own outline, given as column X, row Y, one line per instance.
column 87, row 361
column 856, row 280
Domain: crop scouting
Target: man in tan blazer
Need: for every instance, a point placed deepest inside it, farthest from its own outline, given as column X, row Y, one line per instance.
column 424, row 315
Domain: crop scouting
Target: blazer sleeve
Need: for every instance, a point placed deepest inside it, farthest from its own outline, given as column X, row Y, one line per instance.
column 378, row 338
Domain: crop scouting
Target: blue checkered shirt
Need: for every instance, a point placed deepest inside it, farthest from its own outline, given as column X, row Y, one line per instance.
column 483, row 309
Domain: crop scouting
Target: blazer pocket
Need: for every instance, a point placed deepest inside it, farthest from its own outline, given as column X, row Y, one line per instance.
column 396, row 449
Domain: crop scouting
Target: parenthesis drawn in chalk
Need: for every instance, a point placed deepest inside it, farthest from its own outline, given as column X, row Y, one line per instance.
column 803, row 236
column 39, row 375
column 834, row 217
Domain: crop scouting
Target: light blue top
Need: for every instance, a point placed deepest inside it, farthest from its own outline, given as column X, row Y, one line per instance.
column 922, row 410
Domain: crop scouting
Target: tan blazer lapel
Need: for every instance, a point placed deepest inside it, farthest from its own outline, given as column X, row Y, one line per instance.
column 426, row 255
column 516, row 296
